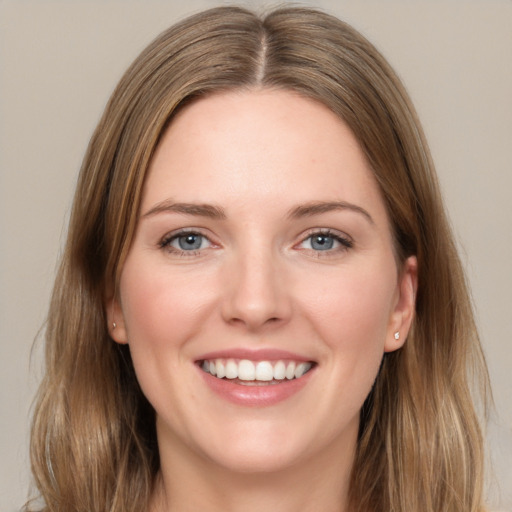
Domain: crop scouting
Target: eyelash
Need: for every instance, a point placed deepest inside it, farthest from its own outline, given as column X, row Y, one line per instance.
column 165, row 243
column 345, row 242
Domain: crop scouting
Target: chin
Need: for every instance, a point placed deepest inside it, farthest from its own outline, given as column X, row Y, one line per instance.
column 272, row 446
column 254, row 460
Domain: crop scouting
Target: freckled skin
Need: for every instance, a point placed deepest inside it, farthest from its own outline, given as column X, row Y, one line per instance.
column 258, row 283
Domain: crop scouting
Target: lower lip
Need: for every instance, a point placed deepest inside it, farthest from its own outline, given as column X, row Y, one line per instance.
column 255, row 395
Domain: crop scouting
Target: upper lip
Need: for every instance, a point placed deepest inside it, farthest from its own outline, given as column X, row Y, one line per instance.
column 266, row 354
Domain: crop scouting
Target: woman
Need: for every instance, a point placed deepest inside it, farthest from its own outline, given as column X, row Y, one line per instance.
column 260, row 303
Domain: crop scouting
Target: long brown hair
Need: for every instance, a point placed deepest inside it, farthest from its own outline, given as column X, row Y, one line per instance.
column 93, row 438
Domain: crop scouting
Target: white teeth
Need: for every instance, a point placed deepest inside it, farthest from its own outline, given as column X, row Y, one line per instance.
column 264, row 371
column 279, row 370
column 246, row 370
column 231, row 369
column 221, row 369
column 290, row 371
column 301, row 369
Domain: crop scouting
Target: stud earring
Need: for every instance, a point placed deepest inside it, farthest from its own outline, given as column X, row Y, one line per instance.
column 397, row 335
column 114, row 325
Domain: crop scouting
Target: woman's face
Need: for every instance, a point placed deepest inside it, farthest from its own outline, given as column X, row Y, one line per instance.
column 264, row 254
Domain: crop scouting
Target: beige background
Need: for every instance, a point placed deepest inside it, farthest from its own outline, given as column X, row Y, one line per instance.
column 59, row 61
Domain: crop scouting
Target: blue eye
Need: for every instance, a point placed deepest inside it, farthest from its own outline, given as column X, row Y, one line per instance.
column 185, row 242
column 322, row 242
column 189, row 242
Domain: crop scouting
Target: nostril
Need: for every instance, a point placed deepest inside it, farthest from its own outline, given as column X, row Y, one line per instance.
column 255, row 302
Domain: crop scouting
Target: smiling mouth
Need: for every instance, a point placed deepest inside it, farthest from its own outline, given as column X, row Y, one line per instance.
column 255, row 373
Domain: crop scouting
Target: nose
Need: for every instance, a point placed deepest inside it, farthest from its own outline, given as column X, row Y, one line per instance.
column 256, row 295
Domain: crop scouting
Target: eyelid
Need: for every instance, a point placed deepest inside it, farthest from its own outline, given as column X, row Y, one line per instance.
column 165, row 241
column 346, row 241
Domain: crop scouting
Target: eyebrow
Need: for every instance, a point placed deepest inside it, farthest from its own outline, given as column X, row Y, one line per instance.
column 201, row 210
column 216, row 212
column 319, row 207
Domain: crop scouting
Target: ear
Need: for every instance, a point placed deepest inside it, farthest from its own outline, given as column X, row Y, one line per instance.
column 115, row 318
column 403, row 313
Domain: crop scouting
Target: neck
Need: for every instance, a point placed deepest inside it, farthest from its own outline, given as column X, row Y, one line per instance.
column 189, row 482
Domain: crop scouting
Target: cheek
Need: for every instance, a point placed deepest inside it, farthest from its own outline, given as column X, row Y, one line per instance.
column 353, row 309
column 351, row 315
column 161, row 307
column 162, row 311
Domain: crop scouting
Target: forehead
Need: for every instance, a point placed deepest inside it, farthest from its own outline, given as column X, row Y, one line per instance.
column 267, row 146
